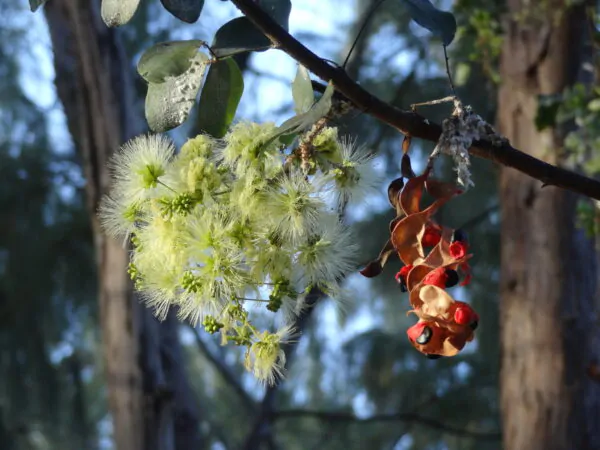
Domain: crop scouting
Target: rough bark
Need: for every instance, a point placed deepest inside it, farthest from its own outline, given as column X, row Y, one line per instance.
column 548, row 271
column 148, row 395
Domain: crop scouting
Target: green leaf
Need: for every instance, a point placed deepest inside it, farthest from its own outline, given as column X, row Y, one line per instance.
column 167, row 59
column 302, row 91
column 35, row 4
column 441, row 23
column 220, row 97
column 186, row 10
column 287, row 139
column 168, row 104
column 305, row 120
column 118, row 12
column 240, row 35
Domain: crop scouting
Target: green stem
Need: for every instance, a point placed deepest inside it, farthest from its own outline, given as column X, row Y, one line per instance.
column 253, row 299
column 168, row 187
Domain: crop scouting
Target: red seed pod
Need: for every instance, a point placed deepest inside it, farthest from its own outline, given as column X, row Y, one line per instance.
column 401, row 277
column 464, row 315
column 431, row 237
column 458, row 249
column 437, row 277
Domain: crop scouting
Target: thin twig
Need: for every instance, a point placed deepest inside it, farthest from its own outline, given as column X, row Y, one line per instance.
column 450, row 98
column 362, row 29
column 224, row 371
column 408, row 122
column 334, row 416
column 448, row 71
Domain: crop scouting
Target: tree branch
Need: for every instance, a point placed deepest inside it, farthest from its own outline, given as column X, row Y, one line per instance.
column 408, row 122
column 334, row 416
column 224, row 371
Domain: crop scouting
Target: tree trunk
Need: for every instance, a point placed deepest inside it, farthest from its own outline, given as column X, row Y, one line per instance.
column 549, row 269
column 148, row 396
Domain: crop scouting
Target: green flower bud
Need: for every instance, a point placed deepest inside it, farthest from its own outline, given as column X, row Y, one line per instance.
column 190, row 282
column 133, row 271
column 211, row 325
column 326, row 143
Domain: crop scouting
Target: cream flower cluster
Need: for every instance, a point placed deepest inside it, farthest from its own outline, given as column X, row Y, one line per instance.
column 223, row 224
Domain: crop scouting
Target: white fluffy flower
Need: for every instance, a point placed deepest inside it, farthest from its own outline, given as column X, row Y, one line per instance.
column 354, row 177
column 265, row 357
column 328, row 254
column 119, row 216
column 139, row 164
column 292, row 207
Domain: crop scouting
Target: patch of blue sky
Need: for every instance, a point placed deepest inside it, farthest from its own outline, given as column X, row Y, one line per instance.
column 404, row 443
column 316, row 23
column 36, row 76
column 388, row 50
column 362, row 406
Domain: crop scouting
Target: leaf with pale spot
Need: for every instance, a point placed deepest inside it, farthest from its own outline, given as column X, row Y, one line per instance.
column 118, row 12
column 168, row 104
column 167, row 59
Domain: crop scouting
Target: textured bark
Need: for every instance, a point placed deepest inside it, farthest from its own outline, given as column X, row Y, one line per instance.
column 148, row 395
column 549, row 270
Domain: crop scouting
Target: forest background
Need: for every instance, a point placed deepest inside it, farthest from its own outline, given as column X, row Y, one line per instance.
column 79, row 375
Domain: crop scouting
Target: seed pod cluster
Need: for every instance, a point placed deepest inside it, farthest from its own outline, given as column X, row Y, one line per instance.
column 435, row 258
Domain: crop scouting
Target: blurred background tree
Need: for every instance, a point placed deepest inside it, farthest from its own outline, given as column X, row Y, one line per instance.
column 85, row 366
column 549, row 268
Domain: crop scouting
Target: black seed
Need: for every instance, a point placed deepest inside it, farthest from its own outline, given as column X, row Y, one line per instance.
column 474, row 325
column 452, row 278
column 459, row 235
column 425, row 336
column 402, row 283
column 434, row 356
